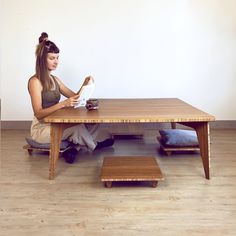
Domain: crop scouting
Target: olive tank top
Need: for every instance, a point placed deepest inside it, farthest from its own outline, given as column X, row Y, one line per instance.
column 51, row 97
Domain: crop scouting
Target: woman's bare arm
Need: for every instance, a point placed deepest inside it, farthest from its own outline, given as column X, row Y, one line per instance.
column 35, row 90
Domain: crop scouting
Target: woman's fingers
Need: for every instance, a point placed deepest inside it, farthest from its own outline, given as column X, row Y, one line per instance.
column 75, row 100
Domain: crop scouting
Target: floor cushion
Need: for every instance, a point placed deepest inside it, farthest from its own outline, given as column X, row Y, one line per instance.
column 178, row 137
column 34, row 144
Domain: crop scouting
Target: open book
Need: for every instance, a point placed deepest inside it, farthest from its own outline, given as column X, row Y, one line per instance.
column 85, row 93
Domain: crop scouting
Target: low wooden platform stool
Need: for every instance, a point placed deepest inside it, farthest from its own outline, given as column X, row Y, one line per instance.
column 167, row 150
column 31, row 149
column 130, row 168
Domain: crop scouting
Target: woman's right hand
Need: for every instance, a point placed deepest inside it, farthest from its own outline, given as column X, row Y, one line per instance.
column 71, row 102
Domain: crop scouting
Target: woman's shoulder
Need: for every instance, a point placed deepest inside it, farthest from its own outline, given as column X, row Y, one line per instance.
column 34, row 82
column 34, row 79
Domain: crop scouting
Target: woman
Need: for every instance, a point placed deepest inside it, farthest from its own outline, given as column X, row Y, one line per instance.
column 45, row 91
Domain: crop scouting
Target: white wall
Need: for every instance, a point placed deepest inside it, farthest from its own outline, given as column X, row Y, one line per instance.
column 133, row 48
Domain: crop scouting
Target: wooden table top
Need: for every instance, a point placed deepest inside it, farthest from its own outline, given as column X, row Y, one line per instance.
column 132, row 111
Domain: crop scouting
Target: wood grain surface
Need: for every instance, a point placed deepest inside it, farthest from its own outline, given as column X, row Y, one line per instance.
column 77, row 204
column 132, row 111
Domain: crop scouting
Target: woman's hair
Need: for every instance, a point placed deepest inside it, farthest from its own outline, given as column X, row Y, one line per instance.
column 44, row 47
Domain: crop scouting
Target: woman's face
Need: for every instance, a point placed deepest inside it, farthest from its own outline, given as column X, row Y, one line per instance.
column 52, row 61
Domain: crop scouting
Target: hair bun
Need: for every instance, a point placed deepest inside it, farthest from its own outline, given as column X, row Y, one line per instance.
column 44, row 36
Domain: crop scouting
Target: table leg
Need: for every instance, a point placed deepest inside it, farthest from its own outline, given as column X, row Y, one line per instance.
column 203, row 134
column 108, row 184
column 154, row 184
column 56, row 134
column 173, row 125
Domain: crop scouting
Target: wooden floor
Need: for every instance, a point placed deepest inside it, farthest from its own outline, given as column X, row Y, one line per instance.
column 77, row 203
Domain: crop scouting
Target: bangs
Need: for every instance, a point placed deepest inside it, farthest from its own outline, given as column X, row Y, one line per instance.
column 51, row 47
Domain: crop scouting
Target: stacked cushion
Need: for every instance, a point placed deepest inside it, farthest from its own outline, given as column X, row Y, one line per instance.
column 178, row 138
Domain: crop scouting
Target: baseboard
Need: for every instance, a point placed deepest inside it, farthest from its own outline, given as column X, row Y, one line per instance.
column 223, row 124
column 219, row 124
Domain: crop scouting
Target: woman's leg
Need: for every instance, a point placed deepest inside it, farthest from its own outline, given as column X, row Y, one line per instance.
column 40, row 132
column 82, row 135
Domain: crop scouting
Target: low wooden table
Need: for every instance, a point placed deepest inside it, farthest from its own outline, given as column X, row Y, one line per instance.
column 130, row 168
column 132, row 111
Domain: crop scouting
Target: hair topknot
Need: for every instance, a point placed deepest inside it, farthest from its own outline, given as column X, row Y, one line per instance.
column 44, row 36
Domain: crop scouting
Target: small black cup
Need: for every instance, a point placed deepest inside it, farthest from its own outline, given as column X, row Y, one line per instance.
column 92, row 104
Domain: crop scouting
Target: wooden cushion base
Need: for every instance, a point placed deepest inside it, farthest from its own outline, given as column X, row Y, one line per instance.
column 31, row 149
column 167, row 150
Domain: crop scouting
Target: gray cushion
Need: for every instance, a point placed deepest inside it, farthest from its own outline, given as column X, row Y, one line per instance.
column 34, row 144
column 178, row 137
